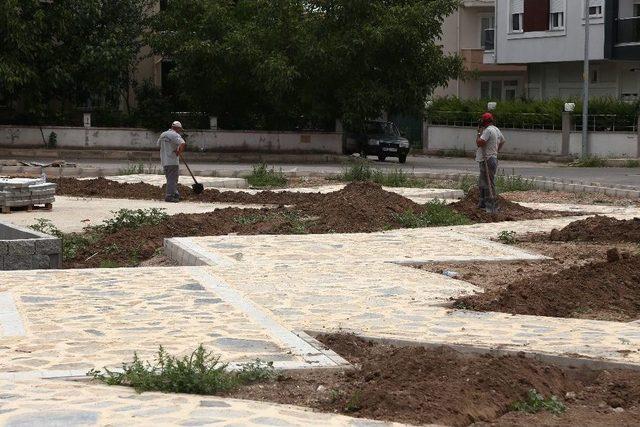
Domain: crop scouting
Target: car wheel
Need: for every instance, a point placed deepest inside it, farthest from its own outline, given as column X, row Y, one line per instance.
column 402, row 158
column 382, row 158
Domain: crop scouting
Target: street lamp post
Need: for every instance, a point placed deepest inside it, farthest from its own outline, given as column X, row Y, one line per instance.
column 585, row 84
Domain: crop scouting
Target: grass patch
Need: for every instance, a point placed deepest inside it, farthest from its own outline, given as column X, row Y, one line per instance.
column 467, row 182
column 107, row 263
column 506, row 183
column 632, row 163
column 199, row 373
column 535, row 402
column 72, row 243
column 507, row 237
column 436, row 213
column 298, row 224
column 131, row 218
column 263, row 177
column 362, row 171
column 137, row 169
column 589, row 162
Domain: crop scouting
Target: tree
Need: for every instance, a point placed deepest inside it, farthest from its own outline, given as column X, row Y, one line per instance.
column 68, row 51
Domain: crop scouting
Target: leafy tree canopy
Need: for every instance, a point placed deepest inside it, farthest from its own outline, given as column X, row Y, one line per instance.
column 269, row 63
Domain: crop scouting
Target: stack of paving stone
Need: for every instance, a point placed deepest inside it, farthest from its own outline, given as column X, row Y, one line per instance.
column 25, row 192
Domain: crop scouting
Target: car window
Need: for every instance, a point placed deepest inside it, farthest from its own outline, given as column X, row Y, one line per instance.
column 381, row 128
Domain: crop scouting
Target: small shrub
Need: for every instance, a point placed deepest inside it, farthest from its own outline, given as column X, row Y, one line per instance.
column 107, row 263
column 436, row 213
column 506, row 183
column 589, row 162
column 262, row 177
column 535, row 402
column 507, row 237
column 132, row 169
column 632, row 163
column 199, row 373
column 467, row 182
column 128, row 218
column 53, row 140
column 358, row 171
column 355, row 402
column 72, row 243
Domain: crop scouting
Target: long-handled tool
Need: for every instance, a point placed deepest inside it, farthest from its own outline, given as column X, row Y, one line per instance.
column 196, row 187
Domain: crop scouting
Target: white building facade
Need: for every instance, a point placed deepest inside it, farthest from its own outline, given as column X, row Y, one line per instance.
column 548, row 36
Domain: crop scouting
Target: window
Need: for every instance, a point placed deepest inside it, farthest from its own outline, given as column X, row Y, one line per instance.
column 510, row 90
column 486, row 26
column 498, row 90
column 517, row 13
column 556, row 15
column 595, row 8
column 536, row 15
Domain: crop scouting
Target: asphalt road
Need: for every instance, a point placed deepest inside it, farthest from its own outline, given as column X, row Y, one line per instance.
column 611, row 176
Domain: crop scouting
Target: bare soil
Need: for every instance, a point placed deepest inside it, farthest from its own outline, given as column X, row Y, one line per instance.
column 360, row 207
column 439, row 385
column 604, row 290
column 599, row 229
column 507, row 210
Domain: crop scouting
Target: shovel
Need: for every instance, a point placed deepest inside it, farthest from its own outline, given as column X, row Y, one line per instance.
column 196, row 187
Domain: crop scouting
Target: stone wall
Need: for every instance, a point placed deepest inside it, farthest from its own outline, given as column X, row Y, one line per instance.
column 25, row 249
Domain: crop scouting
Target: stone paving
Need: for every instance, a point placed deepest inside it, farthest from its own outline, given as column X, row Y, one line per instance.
column 252, row 298
column 70, row 403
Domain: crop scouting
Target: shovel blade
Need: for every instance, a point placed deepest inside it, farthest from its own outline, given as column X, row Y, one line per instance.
column 198, row 188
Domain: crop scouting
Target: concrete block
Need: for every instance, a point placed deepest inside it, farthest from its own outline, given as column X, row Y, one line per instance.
column 55, row 261
column 48, row 246
column 21, row 247
column 4, row 248
column 40, row 262
column 17, row 262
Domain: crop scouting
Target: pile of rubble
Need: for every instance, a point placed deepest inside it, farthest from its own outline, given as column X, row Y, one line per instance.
column 26, row 192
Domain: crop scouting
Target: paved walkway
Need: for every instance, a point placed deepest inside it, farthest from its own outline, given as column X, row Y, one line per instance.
column 251, row 297
column 159, row 180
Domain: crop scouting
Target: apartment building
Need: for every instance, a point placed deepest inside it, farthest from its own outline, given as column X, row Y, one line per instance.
column 469, row 32
column 548, row 36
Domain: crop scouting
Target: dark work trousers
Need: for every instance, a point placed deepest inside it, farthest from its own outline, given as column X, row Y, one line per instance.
column 487, row 184
column 172, row 173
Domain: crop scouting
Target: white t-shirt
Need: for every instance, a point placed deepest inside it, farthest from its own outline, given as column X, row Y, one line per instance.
column 493, row 138
column 169, row 142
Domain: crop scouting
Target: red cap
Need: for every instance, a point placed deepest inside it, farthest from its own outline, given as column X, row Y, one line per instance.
column 487, row 118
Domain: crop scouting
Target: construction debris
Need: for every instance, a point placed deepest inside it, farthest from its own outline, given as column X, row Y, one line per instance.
column 26, row 192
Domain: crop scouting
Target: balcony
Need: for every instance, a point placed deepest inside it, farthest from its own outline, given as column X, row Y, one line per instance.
column 627, row 31
column 475, row 60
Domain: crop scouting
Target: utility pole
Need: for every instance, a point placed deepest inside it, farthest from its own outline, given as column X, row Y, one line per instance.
column 585, row 84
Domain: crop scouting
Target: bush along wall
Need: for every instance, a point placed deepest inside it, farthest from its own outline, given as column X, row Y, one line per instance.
column 604, row 113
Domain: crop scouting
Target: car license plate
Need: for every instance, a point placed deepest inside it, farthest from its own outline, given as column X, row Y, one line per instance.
column 389, row 149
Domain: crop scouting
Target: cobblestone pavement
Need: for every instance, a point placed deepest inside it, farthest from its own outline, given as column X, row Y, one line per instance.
column 69, row 403
column 248, row 303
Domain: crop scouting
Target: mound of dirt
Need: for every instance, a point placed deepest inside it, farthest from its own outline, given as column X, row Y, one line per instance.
column 417, row 385
column 599, row 229
column 602, row 290
column 359, row 207
column 508, row 210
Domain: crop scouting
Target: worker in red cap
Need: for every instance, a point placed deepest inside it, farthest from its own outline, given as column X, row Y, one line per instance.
column 489, row 141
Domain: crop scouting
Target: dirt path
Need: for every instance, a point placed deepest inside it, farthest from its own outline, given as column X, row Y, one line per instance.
column 417, row 385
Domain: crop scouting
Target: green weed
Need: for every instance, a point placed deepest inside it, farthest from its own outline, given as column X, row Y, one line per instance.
column 506, row 183
column 436, row 213
column 132, row 169
column 362, row 171
column 589, row 162
column 355, row 402
column 199, row 373
column 131, row 218
column 507, row 237
column 632, row 163
column 72, row 243
column 535, row 402
column 107, row 263
column 467, row 182
column 261, row 177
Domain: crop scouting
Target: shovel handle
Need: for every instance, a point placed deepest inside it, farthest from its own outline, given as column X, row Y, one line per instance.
column 188, row 168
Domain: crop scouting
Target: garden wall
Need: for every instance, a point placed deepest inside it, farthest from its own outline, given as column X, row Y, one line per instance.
column 142, row 139
column 536, row 142
column 26, row 249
